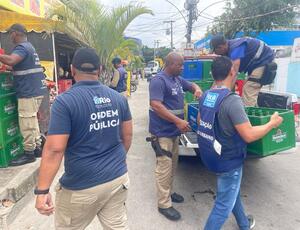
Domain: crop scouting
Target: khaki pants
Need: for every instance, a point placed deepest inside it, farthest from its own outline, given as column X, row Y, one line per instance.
column 165, row 171
column 29, row 125
column 251, row 89
column 76, row 209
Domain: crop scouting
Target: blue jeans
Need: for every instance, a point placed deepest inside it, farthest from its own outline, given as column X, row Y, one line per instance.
column 228, row 200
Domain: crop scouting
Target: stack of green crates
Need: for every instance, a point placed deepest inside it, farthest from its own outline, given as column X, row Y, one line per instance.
column 10, row 138
column 277, row 140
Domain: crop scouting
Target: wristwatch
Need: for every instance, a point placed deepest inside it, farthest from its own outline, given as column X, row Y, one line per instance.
column 36, row 191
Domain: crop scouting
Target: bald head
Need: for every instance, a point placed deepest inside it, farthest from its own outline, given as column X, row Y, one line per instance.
column 173, row 57
column 174, row 64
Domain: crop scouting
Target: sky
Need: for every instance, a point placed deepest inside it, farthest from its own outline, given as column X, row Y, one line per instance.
column 149, row 28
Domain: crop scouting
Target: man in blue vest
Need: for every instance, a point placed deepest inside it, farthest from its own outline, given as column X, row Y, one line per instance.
column 29, row 83
column 251, row 56
column 223, row 133
column 166, row 125
column 119, row 80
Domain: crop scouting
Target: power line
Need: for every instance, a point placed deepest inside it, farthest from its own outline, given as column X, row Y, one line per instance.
column 171, row 23
column 178, row 10
column 260, row 15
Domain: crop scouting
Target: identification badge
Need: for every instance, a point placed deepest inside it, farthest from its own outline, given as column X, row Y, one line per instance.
column 218, row 147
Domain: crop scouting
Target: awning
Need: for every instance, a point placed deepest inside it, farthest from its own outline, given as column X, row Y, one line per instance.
column 37, row 24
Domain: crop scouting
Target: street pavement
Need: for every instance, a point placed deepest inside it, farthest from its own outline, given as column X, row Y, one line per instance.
column 270, row 188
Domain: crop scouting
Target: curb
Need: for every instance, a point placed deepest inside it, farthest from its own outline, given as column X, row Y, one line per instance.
column 22, row 183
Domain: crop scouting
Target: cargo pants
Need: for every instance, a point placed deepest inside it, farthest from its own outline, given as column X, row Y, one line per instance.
column 251, row 89
column 165, row 171
column 75, row 209
column 28, row 122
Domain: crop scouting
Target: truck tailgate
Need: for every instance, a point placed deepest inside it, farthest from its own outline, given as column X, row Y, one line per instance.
column 189, row 140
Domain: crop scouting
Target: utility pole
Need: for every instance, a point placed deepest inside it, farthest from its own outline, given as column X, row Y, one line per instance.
column 191, row 7
column 156, row 43
column 171, row 22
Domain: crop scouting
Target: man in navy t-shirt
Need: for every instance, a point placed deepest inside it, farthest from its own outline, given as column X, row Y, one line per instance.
column 29, row 83
column 249, row 55
column 91, row 127
column 166, row 125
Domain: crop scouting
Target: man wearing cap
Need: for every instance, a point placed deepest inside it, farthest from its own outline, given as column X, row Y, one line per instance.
column 29, row 83
column 91, row 127
column 251, row 56
column 119, row 79
column 166, row 125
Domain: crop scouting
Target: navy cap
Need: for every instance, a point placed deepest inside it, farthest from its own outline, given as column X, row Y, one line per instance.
column 17, row 28
column 116, row 61
column 86, row 60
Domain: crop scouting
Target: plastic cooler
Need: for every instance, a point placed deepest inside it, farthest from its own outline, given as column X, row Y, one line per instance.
column 6, row 83
column 192, row 70
column 10, row 150
column 277, row 140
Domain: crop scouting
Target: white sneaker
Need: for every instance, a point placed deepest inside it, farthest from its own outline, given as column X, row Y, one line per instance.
column 251, row 222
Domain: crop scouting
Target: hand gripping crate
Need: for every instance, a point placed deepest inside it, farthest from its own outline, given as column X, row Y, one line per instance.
column 277, row 140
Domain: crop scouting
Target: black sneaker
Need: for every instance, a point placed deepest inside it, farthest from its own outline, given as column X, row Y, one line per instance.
column 38, row 152
column 170, row 213
column 26, row 158
column 176, row 198
column 251, row 222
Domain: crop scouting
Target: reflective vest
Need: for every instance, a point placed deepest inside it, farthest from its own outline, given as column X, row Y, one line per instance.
column 257, row 53
column 122, row 84
column 219, row 152
column 29, row 80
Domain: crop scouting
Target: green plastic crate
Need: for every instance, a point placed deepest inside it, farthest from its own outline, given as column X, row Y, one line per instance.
column 9, row 129
column 241, row 76
column 10, row 151
column 8, row 105
column 204, row 85
column 207, row 69
column 277, row 140
column 6, row 83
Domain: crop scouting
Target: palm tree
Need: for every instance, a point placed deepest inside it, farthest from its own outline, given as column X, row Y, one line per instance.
column 92, row 23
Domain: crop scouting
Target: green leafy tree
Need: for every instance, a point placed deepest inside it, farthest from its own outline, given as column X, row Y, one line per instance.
column 98, row 27
column 254, row 16
column 148, row 53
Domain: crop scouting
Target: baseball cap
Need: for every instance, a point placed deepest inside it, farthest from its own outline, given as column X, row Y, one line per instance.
column 116, row 60
column 216, row 41
column 86, row 60
column 18, row 28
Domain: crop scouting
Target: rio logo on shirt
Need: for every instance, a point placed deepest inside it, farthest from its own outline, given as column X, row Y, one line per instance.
column 211, row 99
column 101, row 100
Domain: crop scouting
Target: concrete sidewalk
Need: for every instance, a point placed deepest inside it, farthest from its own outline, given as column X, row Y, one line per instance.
column 15, row 183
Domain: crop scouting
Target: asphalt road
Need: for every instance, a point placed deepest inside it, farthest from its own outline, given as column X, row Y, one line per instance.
column 270, row 188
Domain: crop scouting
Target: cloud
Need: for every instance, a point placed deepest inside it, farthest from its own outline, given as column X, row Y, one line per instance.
column 150, row 28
